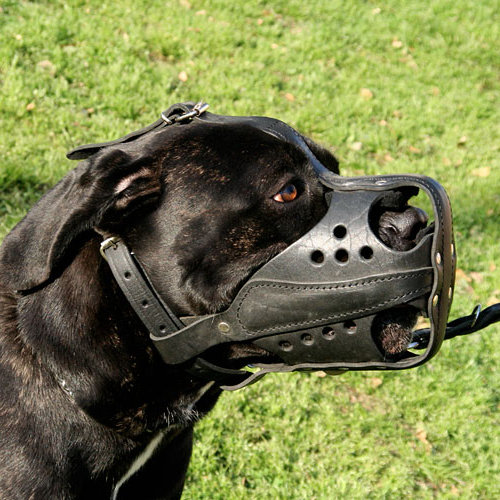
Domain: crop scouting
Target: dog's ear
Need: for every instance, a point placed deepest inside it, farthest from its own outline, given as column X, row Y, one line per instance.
column 98, row 195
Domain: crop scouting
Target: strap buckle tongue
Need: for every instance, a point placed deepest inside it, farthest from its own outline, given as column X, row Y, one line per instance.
column 107, row 243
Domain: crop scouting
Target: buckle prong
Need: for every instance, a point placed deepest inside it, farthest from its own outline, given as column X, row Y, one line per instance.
column 109, row 242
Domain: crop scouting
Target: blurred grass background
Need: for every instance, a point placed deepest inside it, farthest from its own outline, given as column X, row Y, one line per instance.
column 390, row 87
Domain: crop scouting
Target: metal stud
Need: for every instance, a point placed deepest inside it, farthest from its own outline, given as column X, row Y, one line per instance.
column 450, row 292
column 435, row 300
column 223, row 327
column 438, row 258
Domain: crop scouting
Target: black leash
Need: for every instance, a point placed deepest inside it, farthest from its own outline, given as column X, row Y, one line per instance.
column 476, row 321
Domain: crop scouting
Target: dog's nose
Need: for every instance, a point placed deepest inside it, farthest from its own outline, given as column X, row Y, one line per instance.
column 399, row 229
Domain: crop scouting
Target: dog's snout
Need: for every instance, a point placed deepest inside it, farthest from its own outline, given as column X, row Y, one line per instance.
column 399, row 229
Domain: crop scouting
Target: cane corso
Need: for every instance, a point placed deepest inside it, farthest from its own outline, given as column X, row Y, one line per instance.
column 88, row 408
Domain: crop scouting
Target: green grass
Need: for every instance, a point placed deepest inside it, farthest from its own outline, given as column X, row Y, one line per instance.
column 93, row 71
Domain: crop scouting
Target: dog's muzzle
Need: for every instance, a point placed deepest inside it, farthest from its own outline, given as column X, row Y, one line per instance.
column 314, row 305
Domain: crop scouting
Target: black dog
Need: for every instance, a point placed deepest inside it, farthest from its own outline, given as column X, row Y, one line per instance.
column 85, row 399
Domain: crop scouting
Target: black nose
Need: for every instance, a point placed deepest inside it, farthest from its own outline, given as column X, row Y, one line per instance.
column 399, row 229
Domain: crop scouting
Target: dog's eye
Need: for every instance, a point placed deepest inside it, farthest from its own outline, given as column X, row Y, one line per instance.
column 288, row 193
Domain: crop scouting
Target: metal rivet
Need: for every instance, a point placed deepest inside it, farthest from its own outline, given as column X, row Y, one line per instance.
column 435, row 300
column 450, row 292
column 438, row 258
column 223, row 327
column 452, row 249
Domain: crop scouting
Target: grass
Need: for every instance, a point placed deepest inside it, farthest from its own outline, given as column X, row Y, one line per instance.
column 390, row 87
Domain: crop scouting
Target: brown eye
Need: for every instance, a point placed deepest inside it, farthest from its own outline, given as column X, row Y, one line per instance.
column 288, row 193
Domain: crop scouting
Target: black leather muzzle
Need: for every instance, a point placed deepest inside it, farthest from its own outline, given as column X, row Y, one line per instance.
column 314, row 304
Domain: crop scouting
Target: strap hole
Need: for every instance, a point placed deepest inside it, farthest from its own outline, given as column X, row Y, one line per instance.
column 366, row 253
column 318, row 257
column 145, row 303
column 339, row 231
column 350, row 327
column 163, row 328
column 127, row 275
column 328, row 333
column 342, row 255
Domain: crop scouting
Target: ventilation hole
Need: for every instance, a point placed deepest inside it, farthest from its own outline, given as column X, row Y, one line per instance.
column 339, row 231
column 127, row 275
column 307, row 339
column 285, row 345
column 328, row 333
column 366, row 253
column 163, row 328
column 350, row 326
column 318, row 257
column 341, row 255
column 145, row 303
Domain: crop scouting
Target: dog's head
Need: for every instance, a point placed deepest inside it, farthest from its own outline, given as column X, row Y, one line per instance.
column 202, row 207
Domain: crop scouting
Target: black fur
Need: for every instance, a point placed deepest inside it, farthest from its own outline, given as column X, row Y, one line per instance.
column 83, row 390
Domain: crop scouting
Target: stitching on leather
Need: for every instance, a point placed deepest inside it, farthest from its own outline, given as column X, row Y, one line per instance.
column 416, row 292
column 335, row 287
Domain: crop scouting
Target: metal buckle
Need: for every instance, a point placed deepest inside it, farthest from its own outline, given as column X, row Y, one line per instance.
column 109, row 242
column 198, row 110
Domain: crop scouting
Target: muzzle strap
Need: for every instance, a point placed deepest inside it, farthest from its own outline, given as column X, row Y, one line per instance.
column 155, row 313
column 178, row 113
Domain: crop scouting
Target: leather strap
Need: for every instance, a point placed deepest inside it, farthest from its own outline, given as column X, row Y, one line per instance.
column 155, row 313
column 176, row 113
column 138, row 290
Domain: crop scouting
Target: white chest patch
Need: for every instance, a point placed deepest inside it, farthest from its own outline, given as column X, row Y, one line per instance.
column 148, row 451
column 139, row 461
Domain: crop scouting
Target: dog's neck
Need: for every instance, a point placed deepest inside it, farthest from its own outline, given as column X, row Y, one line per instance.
column 87, row 337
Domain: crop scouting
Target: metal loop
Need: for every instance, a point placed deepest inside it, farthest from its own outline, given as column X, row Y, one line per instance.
column 475, row 313
column 197, row 110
